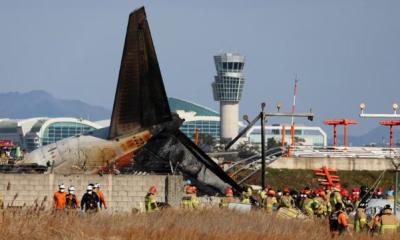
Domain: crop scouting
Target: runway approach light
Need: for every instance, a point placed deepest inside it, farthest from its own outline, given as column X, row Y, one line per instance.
column 311, row 117
column 279, row 105
column 395, row 107
column 362, row 107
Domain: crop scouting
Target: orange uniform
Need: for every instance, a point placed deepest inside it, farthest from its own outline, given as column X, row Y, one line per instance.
column 342, row 219
column 102, row 199
column 59, row 200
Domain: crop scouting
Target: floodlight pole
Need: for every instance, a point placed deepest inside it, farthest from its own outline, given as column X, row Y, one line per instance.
column 396, row 192
column 396, row 164
column 262, row 118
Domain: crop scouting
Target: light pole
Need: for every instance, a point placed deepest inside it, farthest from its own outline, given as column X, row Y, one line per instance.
column 396, row 164
column 395, row 161
column 262, row 119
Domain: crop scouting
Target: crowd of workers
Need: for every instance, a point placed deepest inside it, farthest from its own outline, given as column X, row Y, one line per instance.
column 334, row 204
column 92, row 201
column 189, row 200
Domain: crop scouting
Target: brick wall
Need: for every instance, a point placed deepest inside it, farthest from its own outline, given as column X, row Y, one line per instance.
column 122, row 192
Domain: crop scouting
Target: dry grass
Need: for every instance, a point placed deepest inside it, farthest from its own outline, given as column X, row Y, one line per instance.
column 167, row 224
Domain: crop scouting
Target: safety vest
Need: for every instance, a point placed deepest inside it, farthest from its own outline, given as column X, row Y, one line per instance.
column 389, row 224
column 245, row 200
column 335, row 197
column 360, row 220
column 287, row 201
column 322, row 209
column 59, row 200
column 263, row 196
column 308, row 206
column 190, row 201
column 334, row 225
column 270, row 202
column 72, row 201
column 225, row 202
column 150, row 203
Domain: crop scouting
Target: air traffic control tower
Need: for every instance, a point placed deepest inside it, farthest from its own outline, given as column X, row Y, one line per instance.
column 227, row 89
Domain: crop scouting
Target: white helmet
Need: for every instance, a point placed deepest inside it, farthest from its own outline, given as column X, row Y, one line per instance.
column 97, row 185
column 61, row 187
column 89, row 188
column 71, row 189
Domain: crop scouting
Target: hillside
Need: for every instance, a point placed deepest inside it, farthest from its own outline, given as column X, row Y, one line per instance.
column 39, row 103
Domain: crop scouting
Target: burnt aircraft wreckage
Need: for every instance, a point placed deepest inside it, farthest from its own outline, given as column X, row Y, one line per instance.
column 142, row 126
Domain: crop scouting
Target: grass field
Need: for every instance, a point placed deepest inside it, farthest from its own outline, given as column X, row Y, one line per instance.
column 167, row 224
column 298, row 179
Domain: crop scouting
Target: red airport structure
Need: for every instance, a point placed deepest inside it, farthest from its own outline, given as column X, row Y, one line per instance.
column 329, row 179
column 390, row 123
column 345, row 123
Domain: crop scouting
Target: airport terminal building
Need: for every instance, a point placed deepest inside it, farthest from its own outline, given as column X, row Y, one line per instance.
column 33, row 133
column 204, row 119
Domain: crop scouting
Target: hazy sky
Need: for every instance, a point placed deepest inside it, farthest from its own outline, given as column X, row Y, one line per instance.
column 343, row 51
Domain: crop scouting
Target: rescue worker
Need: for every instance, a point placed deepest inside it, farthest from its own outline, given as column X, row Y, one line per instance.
column 270, row 202
column 150, row 200
column 338, row 221
column 355, row 197
column 60, row 197
column 90, row 201
column 263, row 196
column 388, row 223
column 227, row 199
column 320, row 205
column 308, row 204
column 72, row 201
column 286, row 201
column 364, row 192
column 360, row 219
column 297, row 198
column 190, row 201
column 335, row 196
column 246, row 196
column 279, row 195
column 100, row 194
column 187, row 184
column 301, row 200
column 346, row 201
column 328, row 192
column 374, row 224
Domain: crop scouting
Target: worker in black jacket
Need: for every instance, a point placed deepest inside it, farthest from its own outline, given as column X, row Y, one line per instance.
column 90, row 200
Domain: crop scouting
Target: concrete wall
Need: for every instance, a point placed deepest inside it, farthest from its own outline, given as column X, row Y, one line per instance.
column 337, row 163
column 123, row 192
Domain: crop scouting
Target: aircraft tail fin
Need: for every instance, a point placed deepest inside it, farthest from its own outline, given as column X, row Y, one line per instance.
column 140, row 98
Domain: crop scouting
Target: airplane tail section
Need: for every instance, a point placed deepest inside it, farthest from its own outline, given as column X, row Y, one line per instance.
column 140, row 99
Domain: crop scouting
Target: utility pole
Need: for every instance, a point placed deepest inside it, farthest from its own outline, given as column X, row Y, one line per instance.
column 262, row 119
column 396, row 160
column 396, row 164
